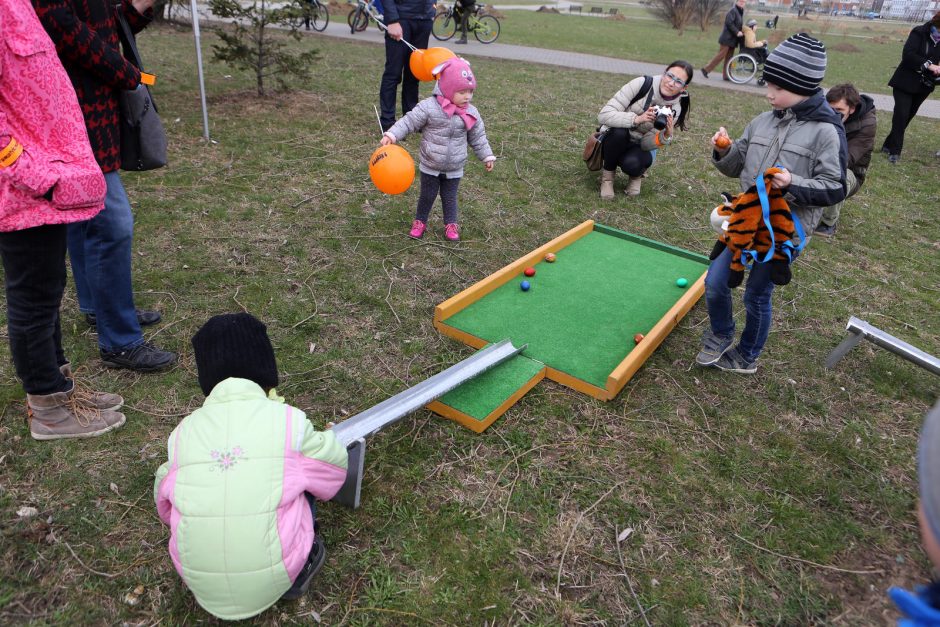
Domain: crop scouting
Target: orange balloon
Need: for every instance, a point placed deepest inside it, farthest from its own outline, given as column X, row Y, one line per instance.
column 416, row 63
column 392, row 169
column 434, row 57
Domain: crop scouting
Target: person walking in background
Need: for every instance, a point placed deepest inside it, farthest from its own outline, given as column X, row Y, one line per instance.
column 466, row 9
column 48, row 179
column 86, row 38
column 634, row 128
column 728, row 40
column 409, row 20
column 913, row 81
column 861, row 124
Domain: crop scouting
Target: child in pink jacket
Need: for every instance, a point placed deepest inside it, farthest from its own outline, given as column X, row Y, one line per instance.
column 237, row 489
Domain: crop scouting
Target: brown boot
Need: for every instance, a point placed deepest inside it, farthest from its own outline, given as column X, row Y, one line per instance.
column 89, row 398
column 607, row 184
column 633, row 188
column 58, row 416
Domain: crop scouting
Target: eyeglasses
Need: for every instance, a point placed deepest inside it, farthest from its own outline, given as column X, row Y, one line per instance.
column 674, row 79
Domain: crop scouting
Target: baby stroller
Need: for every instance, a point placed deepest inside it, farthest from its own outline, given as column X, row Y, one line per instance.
column 746, row 64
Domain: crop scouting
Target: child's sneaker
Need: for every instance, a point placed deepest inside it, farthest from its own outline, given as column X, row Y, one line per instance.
column 417, row 229
column 452, row 232
column 733, row 361
column 713, row 347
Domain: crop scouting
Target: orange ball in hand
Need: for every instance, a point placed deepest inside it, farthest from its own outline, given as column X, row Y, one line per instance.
column 723, row 142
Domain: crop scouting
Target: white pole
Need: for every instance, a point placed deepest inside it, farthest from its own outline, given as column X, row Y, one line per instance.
column 202, row 84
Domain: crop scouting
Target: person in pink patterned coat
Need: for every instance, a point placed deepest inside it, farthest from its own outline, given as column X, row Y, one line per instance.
column 48, row 179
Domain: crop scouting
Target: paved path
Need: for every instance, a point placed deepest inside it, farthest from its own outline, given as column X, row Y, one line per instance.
column 577, row 60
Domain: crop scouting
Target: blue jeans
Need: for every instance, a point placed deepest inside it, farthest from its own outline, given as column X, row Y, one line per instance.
column 100, row 250
column 757, row 293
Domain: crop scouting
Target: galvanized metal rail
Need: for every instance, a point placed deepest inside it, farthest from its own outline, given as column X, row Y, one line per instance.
column 353, row 431
column 859, row 330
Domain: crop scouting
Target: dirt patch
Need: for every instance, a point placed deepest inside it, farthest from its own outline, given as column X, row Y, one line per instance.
column 845, row 47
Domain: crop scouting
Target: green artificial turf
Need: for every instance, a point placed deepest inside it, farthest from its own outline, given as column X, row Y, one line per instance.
column 582, row 311
column 479, row 397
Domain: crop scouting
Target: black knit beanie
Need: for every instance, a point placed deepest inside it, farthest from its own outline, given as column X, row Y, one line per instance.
column 234, row 345
column 798, row 64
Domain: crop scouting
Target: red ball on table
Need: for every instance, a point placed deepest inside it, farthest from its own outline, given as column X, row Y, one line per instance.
column 529, row 272
column 638, row 338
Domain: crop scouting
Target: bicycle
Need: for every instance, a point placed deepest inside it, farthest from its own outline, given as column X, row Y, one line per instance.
column 311, row 13
column 358, row 18
column 484, row 27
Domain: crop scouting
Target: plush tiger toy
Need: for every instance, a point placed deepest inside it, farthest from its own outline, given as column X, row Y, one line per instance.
column 746, row 231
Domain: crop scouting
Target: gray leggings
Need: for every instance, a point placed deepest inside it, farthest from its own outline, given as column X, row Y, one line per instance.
column 430, row 185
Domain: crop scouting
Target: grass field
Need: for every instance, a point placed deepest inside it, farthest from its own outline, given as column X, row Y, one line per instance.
column 783, row 498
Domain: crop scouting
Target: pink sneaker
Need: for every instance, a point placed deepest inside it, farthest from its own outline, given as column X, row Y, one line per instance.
column 417, row 229
column 452, row 232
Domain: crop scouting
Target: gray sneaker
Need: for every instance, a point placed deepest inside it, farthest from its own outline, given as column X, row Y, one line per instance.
column 733, row 361
column 825, row 230
column 713, row 347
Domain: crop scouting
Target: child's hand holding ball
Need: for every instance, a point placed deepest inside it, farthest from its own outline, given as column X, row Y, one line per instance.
column 721, row 141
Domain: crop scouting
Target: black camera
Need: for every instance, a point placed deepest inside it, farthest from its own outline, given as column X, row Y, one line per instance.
column 659, row 122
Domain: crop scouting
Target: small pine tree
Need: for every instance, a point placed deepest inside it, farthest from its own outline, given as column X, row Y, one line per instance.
column 251, row 44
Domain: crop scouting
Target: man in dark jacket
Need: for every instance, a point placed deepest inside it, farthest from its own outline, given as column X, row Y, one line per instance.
column 728, row 40
column 85, row 33
column 858, row 118
column 409, row 20
column 913, row 81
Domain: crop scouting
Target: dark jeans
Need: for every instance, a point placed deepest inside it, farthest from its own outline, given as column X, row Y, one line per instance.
column 620, row 150
column 397, row 70
column 905, row 108
column 757, row 304
column 430, row 186
column 34, row 263
column 100, row 250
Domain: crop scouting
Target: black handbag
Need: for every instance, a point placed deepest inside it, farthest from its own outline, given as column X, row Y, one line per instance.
column 143, row 138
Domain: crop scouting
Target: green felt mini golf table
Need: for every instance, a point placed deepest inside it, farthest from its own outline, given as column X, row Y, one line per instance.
column 581, row 313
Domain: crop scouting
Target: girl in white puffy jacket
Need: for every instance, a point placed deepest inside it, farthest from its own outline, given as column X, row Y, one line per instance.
column 448, row 123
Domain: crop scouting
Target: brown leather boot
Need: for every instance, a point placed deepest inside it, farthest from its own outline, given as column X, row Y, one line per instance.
column 607, row 184
column 58, row 416
column 633, row 188
column 87, row 397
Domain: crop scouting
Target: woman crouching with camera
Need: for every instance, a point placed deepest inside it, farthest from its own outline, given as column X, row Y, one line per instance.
column 638, row 121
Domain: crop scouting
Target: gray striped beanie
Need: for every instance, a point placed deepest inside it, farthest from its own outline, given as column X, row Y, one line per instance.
column 798, row 64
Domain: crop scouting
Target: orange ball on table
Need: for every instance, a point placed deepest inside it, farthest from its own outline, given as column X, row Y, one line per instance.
column 638, row 338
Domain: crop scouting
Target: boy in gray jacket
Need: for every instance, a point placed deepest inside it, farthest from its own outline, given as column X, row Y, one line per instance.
column 447, row 122
column 803, row 136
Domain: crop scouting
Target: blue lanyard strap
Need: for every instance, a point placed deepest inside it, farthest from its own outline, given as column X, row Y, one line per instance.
column 749, row 257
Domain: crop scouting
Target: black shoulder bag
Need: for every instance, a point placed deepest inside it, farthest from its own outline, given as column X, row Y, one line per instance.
column 593, row 155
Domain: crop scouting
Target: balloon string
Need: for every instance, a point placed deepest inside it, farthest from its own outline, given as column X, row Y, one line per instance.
column 385, row 28
column 378, row 119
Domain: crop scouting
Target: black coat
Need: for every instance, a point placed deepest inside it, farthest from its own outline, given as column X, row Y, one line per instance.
column 918, row 49
column 734, row 21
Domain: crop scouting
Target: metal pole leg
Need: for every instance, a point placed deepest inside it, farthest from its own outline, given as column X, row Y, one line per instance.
column 850, row 342
column 349, row 494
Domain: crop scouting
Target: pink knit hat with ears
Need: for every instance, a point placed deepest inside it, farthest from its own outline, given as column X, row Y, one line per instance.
column 454, row 75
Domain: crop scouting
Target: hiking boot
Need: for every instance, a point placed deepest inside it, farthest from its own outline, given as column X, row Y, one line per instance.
column 633, row 188
column 893, row 159
column 825, row 230
column 312, row 566
column 58, row 416
column 733, row 361
column 144, row 357
column 145, row 317
column 452, row 232
column 417, row 229
column 607, row 184
column 713, row 347
column 91, row 399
